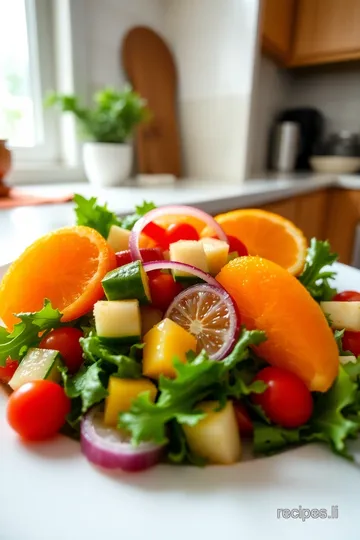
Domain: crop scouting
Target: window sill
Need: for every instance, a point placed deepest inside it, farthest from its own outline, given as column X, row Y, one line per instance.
column 28, row 173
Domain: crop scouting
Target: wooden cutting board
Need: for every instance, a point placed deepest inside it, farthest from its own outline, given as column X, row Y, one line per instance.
column 151, row 70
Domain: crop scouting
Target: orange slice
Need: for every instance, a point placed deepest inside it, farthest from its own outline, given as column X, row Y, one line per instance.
column 299, row 337
column 65, row 266
column 267, row 235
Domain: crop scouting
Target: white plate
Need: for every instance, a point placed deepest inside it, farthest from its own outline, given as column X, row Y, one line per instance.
column 50, row 492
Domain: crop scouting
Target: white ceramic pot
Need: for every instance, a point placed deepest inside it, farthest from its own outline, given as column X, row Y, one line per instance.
column 107, row 164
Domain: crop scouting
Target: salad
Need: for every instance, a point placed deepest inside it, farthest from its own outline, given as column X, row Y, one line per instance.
column 170, row 335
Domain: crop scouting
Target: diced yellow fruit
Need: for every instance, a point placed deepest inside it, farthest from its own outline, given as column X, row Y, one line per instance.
column 189, row 252
column 150, row 316
column 343, row 314
column 118, row 238
column 163, row 343
column 216, row 438
column 118, row 318
column 121, row 394
column 216, row 252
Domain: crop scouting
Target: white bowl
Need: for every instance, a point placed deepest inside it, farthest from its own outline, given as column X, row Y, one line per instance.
column 335, row 164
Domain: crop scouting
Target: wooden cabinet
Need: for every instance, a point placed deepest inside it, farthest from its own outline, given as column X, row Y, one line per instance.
column 325, row 31
column 276, row 28
column 311, row 214
column 343, row 214
column 286, row 208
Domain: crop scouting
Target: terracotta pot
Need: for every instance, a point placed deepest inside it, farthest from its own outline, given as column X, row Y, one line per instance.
column 5, row 166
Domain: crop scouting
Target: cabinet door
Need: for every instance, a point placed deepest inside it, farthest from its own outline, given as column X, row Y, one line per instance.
column 326, row 31
column 276, row 29
column 311, row 214
column 343, row 214
column 286, row 208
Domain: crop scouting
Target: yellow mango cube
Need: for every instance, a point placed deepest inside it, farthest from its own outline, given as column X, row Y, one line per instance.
column 121, row 394
column 216, row 252
column 163, row 343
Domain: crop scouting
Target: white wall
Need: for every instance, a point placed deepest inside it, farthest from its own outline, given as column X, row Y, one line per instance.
column 334, row 90
column 271, row 94
column 214, row 45
column 107, row 22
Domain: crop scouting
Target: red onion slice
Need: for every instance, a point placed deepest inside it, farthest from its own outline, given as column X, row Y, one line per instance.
column 108, row 447
column 209, row 314
column 182, row 267
column 168, row 211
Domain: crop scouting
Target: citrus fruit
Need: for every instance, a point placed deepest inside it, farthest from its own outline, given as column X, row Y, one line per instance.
column 299, row 338
column 65, row 266
column 209, row 314
column 267, row 235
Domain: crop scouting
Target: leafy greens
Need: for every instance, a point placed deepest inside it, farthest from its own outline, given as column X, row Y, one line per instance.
column 315, row 277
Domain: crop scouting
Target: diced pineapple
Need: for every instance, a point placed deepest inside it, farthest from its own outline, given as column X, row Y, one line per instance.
column 216, row 252
column 163, row 343
column 150, row 316
column 118, row 321
column 118, row 238
column 347, row 359
column 121, row 394
column 215, row 438
column 343, row 314
column 188, row 252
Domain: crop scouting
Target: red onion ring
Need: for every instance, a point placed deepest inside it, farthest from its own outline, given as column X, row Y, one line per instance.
column 166, row 211
column 105, row 446
column 182, row 267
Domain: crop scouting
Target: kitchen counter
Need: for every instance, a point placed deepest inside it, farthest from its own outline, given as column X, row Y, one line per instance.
column 20, row 226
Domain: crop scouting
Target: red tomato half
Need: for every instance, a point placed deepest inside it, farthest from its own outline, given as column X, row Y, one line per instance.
column 66, row 341
column 351, row 342
column 347, row 296
column 158, row 234
column 181, row 231
column 243, row 419
column 37, row 410
column 163, row 290
column 286, row 401
column 7, row 371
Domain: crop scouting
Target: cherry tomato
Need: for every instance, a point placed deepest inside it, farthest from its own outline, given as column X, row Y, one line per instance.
column 243, row 419
column 351, row 342
column 7, row 371
column 286, row 401
column 158, row 234
column 38, row 409
column 347, row 296
column 66, row 341
column 181, row 231
column 235, row 245
column 163, row 290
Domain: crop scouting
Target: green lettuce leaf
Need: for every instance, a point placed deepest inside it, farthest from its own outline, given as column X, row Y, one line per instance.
column 314, row 277
column 179, row 450
column 269, row 439
column 89, row 384
column 26, row 333
column 91, row 214
column 195, row 381
column 124, row 359
column 129, row 221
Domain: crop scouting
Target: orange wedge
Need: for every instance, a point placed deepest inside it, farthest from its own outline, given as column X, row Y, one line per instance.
column 299, row 338
column 267, row 235
column 65, row 266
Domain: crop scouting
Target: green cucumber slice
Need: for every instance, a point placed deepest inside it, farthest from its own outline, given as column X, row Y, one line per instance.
column 37, row 364
column 127, row 283
column 118, row 322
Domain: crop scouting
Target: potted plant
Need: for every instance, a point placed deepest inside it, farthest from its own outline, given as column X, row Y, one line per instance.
column 108, row 127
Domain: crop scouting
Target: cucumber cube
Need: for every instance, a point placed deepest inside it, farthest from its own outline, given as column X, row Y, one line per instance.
column 118, row 321
column 37, row 364
column 128, row 282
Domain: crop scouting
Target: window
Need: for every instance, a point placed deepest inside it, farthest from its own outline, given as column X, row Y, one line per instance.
column 26, row 74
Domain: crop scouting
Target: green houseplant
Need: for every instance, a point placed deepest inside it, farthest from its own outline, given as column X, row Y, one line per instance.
column 107, row 128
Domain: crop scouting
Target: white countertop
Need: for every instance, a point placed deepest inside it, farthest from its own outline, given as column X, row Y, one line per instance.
column 20, row 226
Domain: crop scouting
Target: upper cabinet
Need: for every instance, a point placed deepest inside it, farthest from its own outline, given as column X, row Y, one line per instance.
column 326, row 31
column 308, row 32
column 276, row 28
